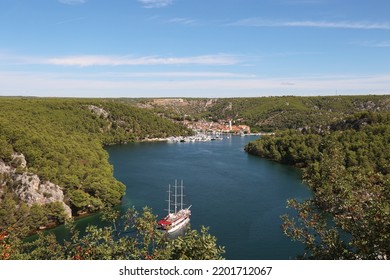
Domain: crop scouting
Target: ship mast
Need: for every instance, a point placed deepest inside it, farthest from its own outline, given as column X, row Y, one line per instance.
column 175, row 196
column 169, row 199
column 175, row 193
column 181, row 195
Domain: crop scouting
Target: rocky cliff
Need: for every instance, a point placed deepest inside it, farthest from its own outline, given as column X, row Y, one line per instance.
column 27, row 186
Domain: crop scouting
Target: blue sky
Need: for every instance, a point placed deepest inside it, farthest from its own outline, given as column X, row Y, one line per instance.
column 194, row 48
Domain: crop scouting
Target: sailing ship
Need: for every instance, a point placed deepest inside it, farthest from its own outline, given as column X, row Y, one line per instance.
column 178, row 217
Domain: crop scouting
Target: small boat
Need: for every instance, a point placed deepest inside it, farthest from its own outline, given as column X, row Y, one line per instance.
column 178, row 217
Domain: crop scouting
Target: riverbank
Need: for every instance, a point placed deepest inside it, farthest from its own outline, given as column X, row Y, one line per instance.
column 222, row 183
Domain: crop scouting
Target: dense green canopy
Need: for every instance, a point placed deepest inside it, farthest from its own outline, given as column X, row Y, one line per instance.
column 348, row 169
column 63, row 142
column 136, row 239
column 345, row 156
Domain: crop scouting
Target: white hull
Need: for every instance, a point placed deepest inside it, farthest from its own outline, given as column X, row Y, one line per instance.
column 180, row 225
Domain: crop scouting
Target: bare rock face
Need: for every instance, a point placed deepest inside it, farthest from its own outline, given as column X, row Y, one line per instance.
column 98, row 111
column 18, row 160
column 28, row 187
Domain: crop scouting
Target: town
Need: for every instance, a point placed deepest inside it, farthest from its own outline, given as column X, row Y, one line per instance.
column 221, row 126
column 209, row 131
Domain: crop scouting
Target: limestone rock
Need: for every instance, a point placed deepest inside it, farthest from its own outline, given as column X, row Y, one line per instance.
column 18, row 160
column 98, row 111
column 29, row 188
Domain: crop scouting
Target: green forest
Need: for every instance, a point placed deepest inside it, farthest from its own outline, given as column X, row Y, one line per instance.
column 63, row 142
column 341, row 143
column 347, row 167
column 268, row 114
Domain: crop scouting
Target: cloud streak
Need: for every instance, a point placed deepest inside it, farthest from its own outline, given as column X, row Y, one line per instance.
column 258, row 22
column 184, row 21
column 206, row 75
column 116, row 60
column 151, row 4
column 221, row 85
column 374, row 44
column 88, row 60
column 72, row 2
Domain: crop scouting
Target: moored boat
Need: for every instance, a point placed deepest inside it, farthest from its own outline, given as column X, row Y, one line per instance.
column 178, row 217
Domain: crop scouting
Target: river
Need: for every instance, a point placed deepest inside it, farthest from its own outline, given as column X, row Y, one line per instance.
column 240, row 197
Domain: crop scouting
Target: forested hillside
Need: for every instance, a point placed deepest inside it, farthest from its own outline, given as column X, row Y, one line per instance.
column 348, row 169
column 268, row 113
column 61, row 141
column 53, row 164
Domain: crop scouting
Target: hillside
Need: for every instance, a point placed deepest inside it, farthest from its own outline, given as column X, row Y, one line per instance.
column 267, row 113
column 347, row 168
column 52, row 155
column 53, row 163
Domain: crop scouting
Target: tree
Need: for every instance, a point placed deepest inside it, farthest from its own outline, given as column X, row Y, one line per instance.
column 348, row 217
column 63, row 142
column 137, row 238
column 311, row 227
column 37, row 217
column 79, row 199
column 55, row 212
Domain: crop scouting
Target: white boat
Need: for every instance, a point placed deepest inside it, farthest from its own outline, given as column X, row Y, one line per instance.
column 178, row 217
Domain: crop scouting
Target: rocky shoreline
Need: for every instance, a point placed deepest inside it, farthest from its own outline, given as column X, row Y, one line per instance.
column 28, row 187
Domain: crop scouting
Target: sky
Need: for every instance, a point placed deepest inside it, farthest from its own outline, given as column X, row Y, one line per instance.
column 194, row 48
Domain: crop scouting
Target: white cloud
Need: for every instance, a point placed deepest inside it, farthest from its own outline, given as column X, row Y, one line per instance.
column 373, row 44
column 206, row 75
column 185, row 21
column 90, row 60
column 88, row 85
column 155, row 3
column 115, row 60
column 72, row 2
column 257, row 22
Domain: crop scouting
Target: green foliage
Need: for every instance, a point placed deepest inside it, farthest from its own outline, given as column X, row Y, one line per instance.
column 63, row 140
column 322, row 242
column 290, row 147
column 347, row 167
column 196, row 245
column 365, row 147
column 37, row 217
column 80, row 199
column 45, row 247
column 55, row 212
column 346, row 159
column 22, row 219
column 12, row 213
column 143, row 241
column 268, row 113
column 5, row 149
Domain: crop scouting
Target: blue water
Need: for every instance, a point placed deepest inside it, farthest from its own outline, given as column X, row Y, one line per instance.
column 238, row 196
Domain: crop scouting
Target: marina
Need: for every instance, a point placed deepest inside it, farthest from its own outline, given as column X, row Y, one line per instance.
column 195, row 138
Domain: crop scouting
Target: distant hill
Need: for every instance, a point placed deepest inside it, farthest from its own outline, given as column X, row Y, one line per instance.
column 268, row 113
